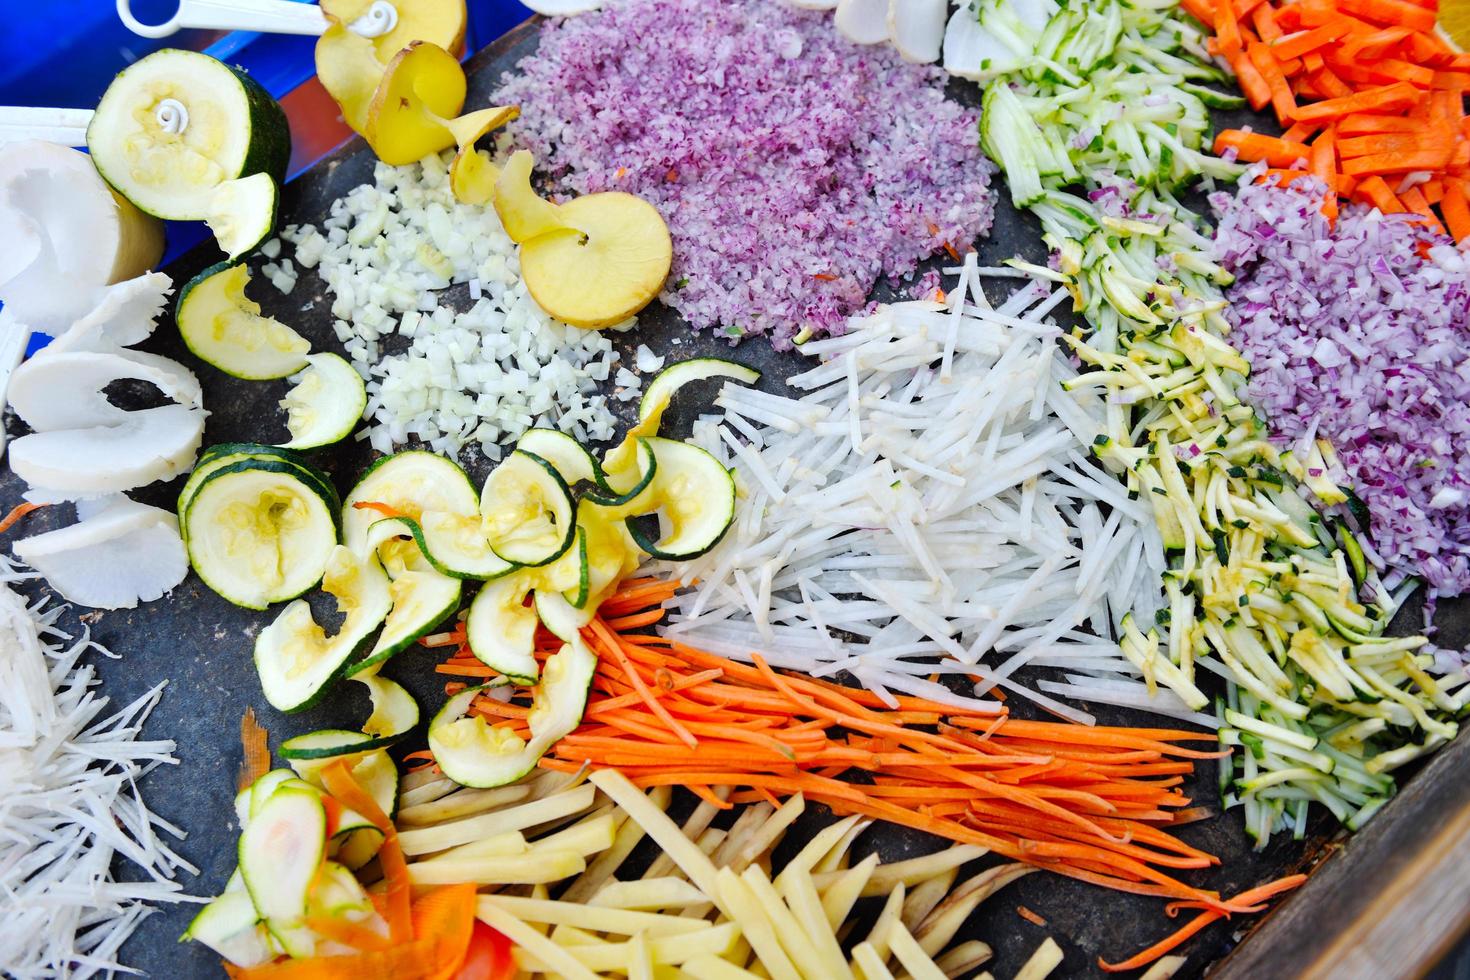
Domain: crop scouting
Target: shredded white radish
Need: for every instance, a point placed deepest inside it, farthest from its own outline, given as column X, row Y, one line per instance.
column 71, row 803
column 929, row 504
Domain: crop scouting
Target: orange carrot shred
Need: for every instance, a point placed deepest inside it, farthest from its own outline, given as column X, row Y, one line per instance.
column 16, row 513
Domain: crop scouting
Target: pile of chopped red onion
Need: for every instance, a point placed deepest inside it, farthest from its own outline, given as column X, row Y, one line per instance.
column 794, row 168
column 1361, row 333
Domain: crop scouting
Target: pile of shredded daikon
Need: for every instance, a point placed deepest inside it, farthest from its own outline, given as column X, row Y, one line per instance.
column 69, row 802
column 929, row 504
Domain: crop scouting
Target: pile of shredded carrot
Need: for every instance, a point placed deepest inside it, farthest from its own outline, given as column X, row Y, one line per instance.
column 1089, row 803
column 1371, row 98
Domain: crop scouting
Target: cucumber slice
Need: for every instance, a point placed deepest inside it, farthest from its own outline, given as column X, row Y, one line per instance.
column 695, row 496
column 501, row 629
column 528, row 510
column 473, row 753
column 213, row 459
column 280, row 853
column 421, row 601
column 223, row 327
column 295, row 658
column 571, row 459
column 325, row 403
column 259, row 532
column 242, row 213
column 412, row 483
column 231, row 927
column 234, row 129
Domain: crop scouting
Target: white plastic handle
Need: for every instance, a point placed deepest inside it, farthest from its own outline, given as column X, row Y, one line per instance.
column 65, row 126
column 266, row 16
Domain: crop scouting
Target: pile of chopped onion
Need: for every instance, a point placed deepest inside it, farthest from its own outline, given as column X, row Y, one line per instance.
column 1357, row 333
column 437, row 374
column 71, row 803
column 930, row 498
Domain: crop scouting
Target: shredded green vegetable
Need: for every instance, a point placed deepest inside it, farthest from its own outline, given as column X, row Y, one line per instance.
column 1099, row 116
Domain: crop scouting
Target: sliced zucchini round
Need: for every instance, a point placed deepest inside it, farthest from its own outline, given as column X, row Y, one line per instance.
column 242, row 213
column 571, row 459
column 528, row 511
column 176, row 124
column 695, row 496
column 412, row 483
column 325, row 403
column 395, row 712
column 295, row 658
column 474, row 753
column 660, row 391
column 231, row 927
column 218, row 457
column 501, row 629
column 280, row 852
column 627, row 490
column 259, row 532
column 223, row 327
column 558, row 615
column 457, row 546
column 612, row 554
column 329, row 743
column 421, row 601
column 255, row 795
column 576, row 563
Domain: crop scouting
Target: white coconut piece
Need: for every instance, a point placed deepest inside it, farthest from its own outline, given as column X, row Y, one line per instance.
column 126, row 314
column 122, row 555
column 154, row 444
column 562, row 8
column 65, row 391
column 66, row 235
column 970, row 51
column 863, row 21
column 917, row 28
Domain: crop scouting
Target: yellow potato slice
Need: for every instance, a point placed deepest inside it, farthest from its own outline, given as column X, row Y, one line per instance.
column 472, row 176
column 349, row 70
column 609, row 264
column 524, row 214
column 424, row 86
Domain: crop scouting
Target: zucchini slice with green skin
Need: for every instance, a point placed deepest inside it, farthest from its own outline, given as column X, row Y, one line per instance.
column 571, row 459
column 224, row 328
column 413, row 482
column 231, row 128
column 421, row 601
column 330, row 743
column 280, row 852
column 465, row 552
column 695, row 496
column 212, row 460
column 578, row 595
column 560, row 616
column 473, row 753
column 325, row 403
column 659, row 394
column 501, row 629
column 231, row 927
column 260, row 531
column 528, row 511
column 242, row 213
column 633, row 484
column 296, row 660
column 375, row 772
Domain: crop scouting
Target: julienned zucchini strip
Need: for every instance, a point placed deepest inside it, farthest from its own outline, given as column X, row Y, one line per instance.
column 1099, row 117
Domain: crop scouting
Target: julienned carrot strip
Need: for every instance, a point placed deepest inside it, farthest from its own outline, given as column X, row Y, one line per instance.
column 1366, row 123
column 1382, row 143
column 1324, row 168
column 1256, row 147
column 1281, row 98
column 1264, row 20
column 1201, row 10
column 1398, row 163
column 1194, row 925
column 1415, row 201
column 1456, row 209
column 1227, row 28
column 1301, row 132
column 1387, row 98
column 381, row 508
column 643, row 691
column 1310, row 41
column 16, row 513
column 1375, row 191
column 1391, row 12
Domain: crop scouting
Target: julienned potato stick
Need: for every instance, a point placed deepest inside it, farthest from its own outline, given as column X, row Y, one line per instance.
column 1379, row 71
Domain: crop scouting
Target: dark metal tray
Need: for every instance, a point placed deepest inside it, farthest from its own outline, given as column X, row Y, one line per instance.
column 202, row 645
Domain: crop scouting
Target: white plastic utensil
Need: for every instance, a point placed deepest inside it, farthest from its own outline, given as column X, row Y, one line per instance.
column 65, row 126
column 264, row 16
